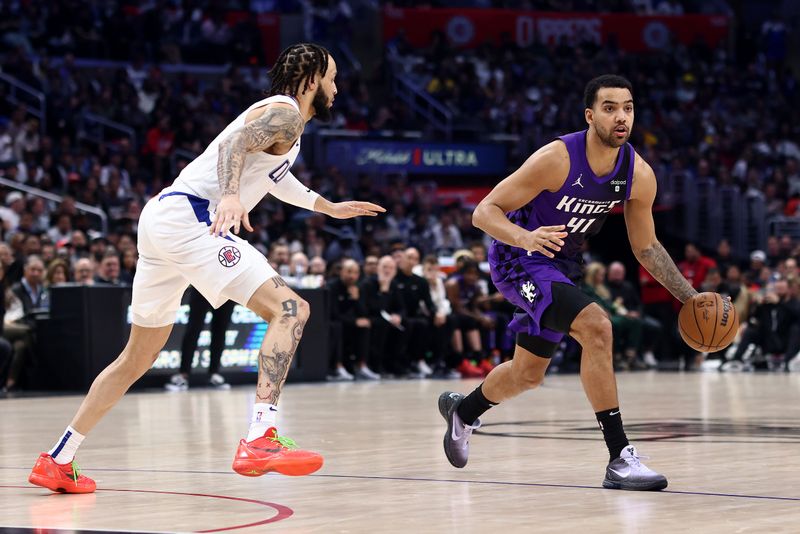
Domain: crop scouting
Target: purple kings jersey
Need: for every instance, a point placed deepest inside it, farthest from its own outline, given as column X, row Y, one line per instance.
column 581, row 205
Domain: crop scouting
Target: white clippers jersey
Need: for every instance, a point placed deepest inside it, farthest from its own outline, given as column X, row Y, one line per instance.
column 260, row 173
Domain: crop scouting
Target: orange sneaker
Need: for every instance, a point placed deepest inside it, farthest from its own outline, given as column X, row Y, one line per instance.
column 486, row 366
column 469, row 370
column 274, row 453
column 65, row 478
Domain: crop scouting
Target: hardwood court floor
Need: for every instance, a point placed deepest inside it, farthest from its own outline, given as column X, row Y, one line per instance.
column 727, row 443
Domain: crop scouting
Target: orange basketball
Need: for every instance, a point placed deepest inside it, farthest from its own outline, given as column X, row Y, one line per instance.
column 708, row 322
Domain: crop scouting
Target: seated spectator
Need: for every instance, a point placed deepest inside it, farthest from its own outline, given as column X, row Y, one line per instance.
column 6, row 350
column 627, row 302
column 27, row 296
column 370, row 266
column 627, row 330
column 299, row 273
column 386, row 313
column 350, row 326
column 109, row 271
column 84, row 272
column 739, row 293
column 57, row 273
column 773, row 327
column 445, row 362
column 695, row 266
column 469, row 302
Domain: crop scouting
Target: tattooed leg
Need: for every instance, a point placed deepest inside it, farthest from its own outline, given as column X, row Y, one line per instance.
column 277, row 350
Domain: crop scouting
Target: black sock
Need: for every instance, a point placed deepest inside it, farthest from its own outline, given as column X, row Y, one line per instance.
column 474, row 405
column 610, row 422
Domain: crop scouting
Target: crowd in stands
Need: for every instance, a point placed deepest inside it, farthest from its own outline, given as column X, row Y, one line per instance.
column 741, row 104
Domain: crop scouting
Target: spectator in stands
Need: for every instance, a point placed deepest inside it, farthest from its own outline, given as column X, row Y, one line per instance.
column 300, row 275
column 420, row 312
column 13, row 210
column 386, row 311
column 774, row 327
column 758, row 260
column 627, row 330
column 350, row 326
column 28, row 295
column 317, row 267
column 446, row 236
column 370, row 266
column 6, row 350
column 279, row 258
column 695, row 266
column 724, row 257
column 627, row 302
column 84, row 271
column 344, row 246
column 445, row 359
column 469, row 303
column 739, row 293
column 130, row 257
column 109, row 270
column 57, row 273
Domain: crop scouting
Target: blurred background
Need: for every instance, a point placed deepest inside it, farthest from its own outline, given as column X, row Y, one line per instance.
column 103, row 103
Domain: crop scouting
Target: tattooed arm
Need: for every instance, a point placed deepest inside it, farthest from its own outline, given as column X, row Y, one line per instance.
column 642, row 235
column 278, row 125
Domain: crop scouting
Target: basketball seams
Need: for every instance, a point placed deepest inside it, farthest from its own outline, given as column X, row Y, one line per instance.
column 697, row 322
column 690, row 338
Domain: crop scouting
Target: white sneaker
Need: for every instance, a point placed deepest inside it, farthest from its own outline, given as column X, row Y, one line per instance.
column 424, row 369
column 650, row 359
column 628, row 473
column 177, row 383
column 342, row 375
column 216, row 381
column 365, row 373
column 732, row 366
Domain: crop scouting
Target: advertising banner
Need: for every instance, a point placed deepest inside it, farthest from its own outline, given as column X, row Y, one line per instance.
column 467, row 28
column 417, row 157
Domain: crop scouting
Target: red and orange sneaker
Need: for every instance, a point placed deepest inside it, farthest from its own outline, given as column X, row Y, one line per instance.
column 486, row 366
column 274, row 453
column 469, row 370
column 65, row 478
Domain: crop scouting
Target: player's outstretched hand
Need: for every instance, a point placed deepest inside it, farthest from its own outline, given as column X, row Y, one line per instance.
column 545, row 239
column 230, row 213
column 354, row 208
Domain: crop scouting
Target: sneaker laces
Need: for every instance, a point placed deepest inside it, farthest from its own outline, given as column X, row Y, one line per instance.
column 635, row 460
column 284, row 441
column 76, row 471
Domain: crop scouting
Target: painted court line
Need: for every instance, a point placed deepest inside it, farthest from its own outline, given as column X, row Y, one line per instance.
column 452, row 481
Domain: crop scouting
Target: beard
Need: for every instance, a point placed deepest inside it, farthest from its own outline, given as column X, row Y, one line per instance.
column 322, row 111
column 608, row 137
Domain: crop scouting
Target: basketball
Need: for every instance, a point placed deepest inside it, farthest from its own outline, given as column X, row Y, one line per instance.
column 708, row 322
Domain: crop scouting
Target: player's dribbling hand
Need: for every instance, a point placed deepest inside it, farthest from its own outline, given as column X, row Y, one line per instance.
column 544, row 238
column 230, row 213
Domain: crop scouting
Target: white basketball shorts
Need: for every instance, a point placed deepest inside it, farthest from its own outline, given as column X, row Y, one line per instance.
column 176, row 250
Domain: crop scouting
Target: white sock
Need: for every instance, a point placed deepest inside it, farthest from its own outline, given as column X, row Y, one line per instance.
column 264, row 416
column 63, row 452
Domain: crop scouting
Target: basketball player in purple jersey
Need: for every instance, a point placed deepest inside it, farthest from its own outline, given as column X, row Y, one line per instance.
column 539, row 216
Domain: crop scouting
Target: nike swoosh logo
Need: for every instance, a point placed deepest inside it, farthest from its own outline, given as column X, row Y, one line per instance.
column 273, row 409
column 622, row 475
column 613, row 413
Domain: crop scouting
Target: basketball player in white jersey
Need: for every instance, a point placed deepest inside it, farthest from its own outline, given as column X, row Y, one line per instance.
column 184, row 238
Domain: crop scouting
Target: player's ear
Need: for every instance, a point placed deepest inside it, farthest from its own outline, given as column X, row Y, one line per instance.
column 588, row 115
